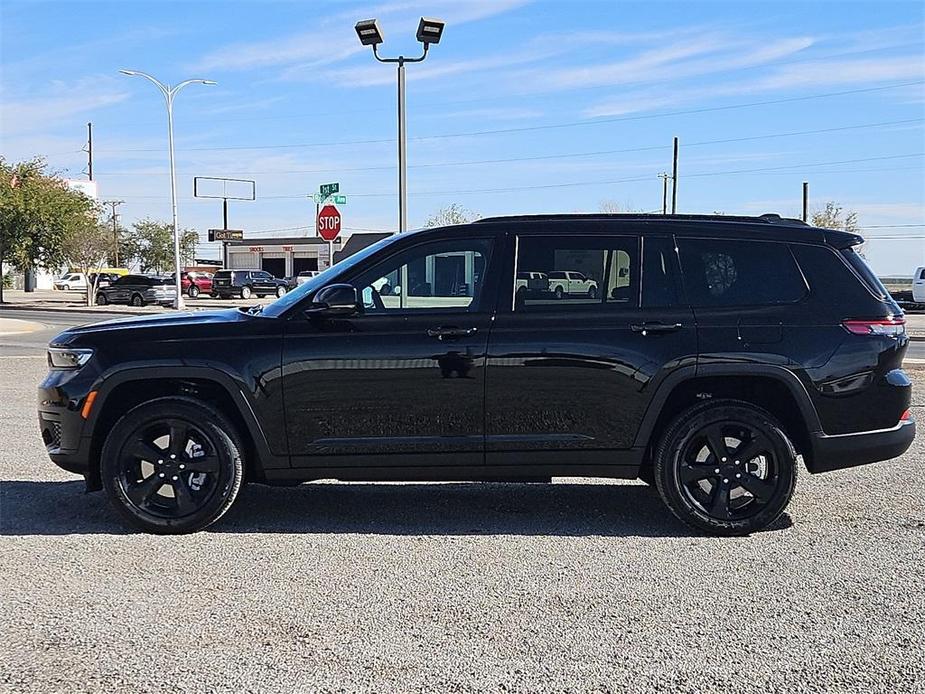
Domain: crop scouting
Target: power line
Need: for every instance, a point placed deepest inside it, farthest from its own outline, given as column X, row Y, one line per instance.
column 534, row 128
column 543, row 157
column 573, row 184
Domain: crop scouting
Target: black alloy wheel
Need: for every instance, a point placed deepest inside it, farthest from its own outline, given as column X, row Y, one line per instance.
column 726, row 467
column 101, row 299
column 558, row 292
column 137, row 300
column 172, row 465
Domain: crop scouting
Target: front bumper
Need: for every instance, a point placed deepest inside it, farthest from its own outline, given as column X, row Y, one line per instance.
column 836, row 452
column 61, row 396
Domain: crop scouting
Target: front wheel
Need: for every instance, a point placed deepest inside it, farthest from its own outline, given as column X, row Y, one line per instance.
column 558, row 292
column 172, row 465
column 280, row 291
column 245, row 292
column 726, row 467
column 101, row 300
column 137, row 300
column 592, row 292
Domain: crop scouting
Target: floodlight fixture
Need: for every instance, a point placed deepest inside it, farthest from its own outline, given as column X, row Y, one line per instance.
column 430, row 30
column 369, row 32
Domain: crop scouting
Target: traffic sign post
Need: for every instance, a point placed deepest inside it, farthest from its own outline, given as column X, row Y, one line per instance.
column 329, row 225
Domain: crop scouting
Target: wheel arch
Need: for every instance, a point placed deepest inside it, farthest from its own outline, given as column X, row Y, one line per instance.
column 121, row 391
column 773, row 388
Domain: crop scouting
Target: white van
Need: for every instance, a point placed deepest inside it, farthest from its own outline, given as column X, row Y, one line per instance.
column 71, row 280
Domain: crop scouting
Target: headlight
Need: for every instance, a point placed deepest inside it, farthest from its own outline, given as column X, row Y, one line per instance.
column 68, row 358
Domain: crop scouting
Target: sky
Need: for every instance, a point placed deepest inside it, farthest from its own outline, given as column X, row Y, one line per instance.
column 524, row 107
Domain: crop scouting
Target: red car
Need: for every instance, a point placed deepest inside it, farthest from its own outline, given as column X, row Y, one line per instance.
column 194, row 283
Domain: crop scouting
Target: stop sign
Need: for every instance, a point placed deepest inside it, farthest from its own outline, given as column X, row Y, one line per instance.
column 329, row 223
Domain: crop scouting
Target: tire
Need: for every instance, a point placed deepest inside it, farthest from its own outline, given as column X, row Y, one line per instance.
column 137, row 300
column 558, row 292
column 592, row 292
column 246, row 292
column 696, row 445
column 101, row 300
column 213, row 295
column 193, row 291
column 280, row 291
column 131, row 465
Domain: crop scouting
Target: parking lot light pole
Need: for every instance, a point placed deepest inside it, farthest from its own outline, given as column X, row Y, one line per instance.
column 169, row 94
column 369, row 33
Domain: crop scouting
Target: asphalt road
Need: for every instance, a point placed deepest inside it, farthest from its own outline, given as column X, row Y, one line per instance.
column 574, row 586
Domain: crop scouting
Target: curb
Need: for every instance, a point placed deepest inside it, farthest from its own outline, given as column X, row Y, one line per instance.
column 70, row 309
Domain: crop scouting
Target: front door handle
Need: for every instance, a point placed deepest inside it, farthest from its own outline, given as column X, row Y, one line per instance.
column 444, row 333
column 655, row 327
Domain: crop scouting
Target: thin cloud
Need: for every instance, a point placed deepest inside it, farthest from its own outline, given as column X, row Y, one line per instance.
column 45, row 112
column 318, row 47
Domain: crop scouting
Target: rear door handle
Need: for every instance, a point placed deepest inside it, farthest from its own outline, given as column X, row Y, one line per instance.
column 655, row 327
column 450, row 332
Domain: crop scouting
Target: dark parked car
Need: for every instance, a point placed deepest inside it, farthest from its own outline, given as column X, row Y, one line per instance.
column 246, row 283
column 717, row 351
column 138, row 290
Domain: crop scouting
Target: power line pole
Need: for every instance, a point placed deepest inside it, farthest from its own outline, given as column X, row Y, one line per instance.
column 90, row 151
column 664, row 176
column 674, row 179
column 115, row 226
column 805, row 216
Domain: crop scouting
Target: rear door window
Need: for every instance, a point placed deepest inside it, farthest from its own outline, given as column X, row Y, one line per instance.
column 576, row 273
column 723, row 273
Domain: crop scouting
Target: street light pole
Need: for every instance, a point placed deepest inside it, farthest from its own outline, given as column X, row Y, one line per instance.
column 169, row 93
column 369, row 33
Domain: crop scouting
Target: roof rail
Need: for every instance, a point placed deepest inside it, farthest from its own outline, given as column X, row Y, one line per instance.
column 762, row 219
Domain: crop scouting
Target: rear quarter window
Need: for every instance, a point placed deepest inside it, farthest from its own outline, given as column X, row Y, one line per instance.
column 862, row 269
column 725, row 273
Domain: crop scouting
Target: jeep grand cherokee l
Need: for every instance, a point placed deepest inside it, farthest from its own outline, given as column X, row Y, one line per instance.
column 717, row 351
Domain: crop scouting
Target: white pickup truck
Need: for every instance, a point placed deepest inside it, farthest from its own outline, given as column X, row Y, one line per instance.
column 918, row 285
column 570, row 283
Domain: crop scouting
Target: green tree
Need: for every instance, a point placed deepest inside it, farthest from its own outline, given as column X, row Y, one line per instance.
column 86, row 248
column 833, row 216
column 150, row 244
column 451, row 214
column 37, row 211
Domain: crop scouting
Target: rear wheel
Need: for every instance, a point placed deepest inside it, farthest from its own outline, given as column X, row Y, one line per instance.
column 172, row 465
column 592, row 292
column 726, row 468
column 245, row 292
column 137, row 300
column 558, row 292
column 280, row 291
column 101, row 300
column 193, row 291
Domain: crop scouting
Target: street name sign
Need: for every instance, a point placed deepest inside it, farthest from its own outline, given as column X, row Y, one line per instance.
column 226, row 234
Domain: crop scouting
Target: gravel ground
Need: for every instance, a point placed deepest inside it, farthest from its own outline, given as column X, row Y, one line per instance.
column 578, row 586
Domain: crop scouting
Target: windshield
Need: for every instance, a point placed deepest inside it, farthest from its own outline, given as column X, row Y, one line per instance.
column 328, row 276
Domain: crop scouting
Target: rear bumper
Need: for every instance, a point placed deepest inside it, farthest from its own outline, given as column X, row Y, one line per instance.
column 849, row 450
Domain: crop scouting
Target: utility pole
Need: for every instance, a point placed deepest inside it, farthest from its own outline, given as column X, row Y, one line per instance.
column 805, row 216
column 674, row 179
column 90, row 151
column 664, row 176
column 115, row 226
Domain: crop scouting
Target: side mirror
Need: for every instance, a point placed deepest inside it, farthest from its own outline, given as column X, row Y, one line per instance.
column 335, row 300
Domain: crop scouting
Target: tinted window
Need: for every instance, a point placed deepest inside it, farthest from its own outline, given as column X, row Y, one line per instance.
column 659, row 285
column 856, row 261
column 223, row 274
column 445, row 275
column 739, row 273
column 576, row 273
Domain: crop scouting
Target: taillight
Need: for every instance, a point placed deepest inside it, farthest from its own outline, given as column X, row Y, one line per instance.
column 905, row 416
column 890, row 327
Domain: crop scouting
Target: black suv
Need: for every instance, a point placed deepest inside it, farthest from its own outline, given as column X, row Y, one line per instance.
column 246, row 283
column 714, row 352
